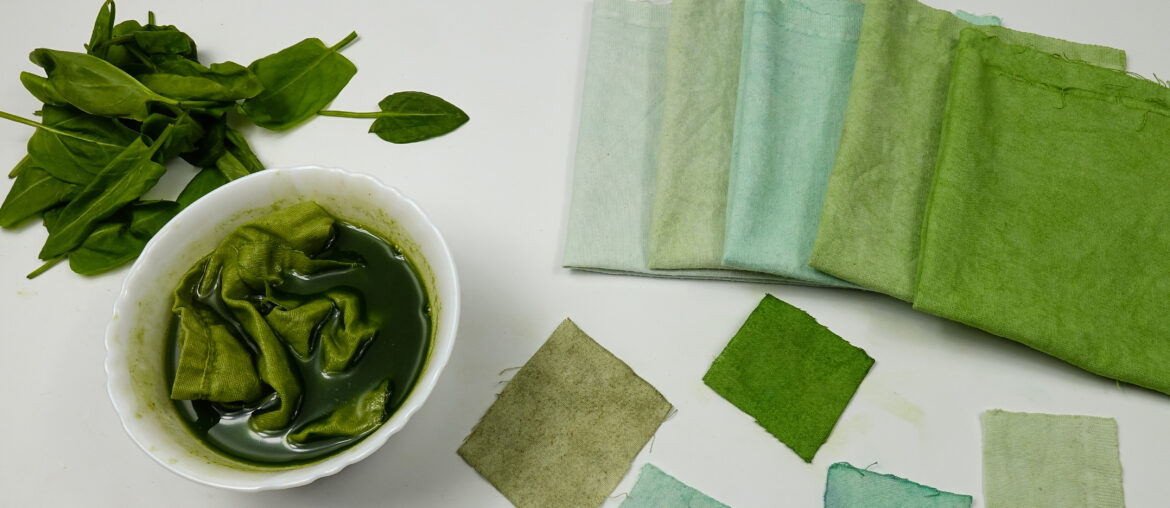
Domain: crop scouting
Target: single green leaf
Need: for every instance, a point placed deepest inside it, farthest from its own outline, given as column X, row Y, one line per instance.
column 204, row 181
column 123, row 180
column 33, row 192
column 237, row 145
column 103, row 31
column 96, row 86
column 186, row 80
column 121, row 238
column 231, row 166
column 165, row 39
column 184, row 137
column 73, row 146
column 40, row 88
column 298, row 82
column 407, row 117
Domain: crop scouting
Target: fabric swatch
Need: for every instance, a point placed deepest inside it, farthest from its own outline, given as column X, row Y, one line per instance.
column 617, row 145
column 795, row 71
column 850, row 487
column 1039, row 460
column 876, row 196
column 790, row 373
column 1068, row 214
column 656, row 489
column 694, row 151
column 566, row 428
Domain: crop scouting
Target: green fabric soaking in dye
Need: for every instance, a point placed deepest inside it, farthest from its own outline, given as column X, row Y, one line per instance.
column 1067, row 215
column 656, row 489
column 296, row 337
column 876, row 195
column 849, row 487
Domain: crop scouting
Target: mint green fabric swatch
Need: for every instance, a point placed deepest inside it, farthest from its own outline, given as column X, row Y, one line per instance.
column 694, row 150
column 876, row 196
column 1038, row 460
column 566, row 428
column 617, row 145
column 656, row 489
column 1057, row 238
column 850, row 487
column 794, row 79
column 790, row 373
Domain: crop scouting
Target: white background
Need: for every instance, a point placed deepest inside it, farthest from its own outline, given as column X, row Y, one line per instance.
column 498, row 190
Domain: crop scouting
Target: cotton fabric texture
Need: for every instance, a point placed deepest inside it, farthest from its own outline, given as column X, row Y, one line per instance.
column 1039, row 460
column 617, row 144
column 565, row 429
column 795, row 71
column 1067, row 214
column 790, row 373
column 656, row 489
column 850, row 487
column 876, row 196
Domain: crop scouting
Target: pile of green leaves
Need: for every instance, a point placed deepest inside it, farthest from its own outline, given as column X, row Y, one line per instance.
column 138, row 98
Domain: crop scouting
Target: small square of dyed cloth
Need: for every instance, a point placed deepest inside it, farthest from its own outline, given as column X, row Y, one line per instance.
column 790, row 373
column 1037, row 460
column 850, row 487
column 656, row 489
column 566, row 428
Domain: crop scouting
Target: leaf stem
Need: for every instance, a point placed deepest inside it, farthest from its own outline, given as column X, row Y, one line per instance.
column 45, row 267
column 344, row 42
column 23, row 120
column 350, row 114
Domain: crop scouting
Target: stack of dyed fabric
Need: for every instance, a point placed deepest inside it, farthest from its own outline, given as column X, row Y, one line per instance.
column 1011, row 181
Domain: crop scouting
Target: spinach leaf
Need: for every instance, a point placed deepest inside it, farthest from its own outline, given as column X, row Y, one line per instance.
column 119, row 240
column 164, row 40
column 40, row 88
column 123, row 180
column 103, row 31
column 238, row 146
column 96, row 86
column 211, row 145
column 407, row 117
column 33, row 192
column 184, row 137
column 298, row 82
column 183, row 79
column 204, row 181
column 74, row 146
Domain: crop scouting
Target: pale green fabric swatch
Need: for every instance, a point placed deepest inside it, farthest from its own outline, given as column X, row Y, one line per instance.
column 849, row 487
column 656, row 489
column 1038, row 460
column 617, row 145
column 793, row 85
column 876, row 196
column 694, row 151
column 566, row 428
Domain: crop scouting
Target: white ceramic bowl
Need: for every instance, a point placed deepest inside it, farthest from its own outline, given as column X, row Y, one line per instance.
column 136, row 336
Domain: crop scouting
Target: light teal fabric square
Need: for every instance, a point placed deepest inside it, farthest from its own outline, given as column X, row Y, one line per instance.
column 656, row 489
column 850, row 487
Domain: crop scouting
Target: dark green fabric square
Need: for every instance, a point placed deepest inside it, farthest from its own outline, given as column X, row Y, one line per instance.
column 790, row 373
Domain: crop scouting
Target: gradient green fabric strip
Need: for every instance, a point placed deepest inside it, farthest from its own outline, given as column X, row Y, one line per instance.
column 849, row 487
column 656, row 489
column 790, row 373
column 566, row 428
column 1057, row 237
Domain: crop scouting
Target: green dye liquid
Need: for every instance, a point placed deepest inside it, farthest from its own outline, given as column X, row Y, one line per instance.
column 392, row 291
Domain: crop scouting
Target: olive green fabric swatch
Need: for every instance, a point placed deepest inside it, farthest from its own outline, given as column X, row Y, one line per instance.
column 849, row 487
column 872, row 215
column 1067, row 214
column 694, row 150
column 566, row 428
column 793, row 85
column 790, row 373
column 656, row 489
column 1038, row 460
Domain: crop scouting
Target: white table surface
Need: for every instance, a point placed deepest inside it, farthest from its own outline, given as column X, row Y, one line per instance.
column 498, row 190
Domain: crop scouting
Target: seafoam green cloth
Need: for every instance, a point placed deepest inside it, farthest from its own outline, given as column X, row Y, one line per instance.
column 793, row 84
column 1038, row 461
column 565, row 429
column 850, row 487
column 694, row 151
column 790, row 373
column 656, row 489
column 872, row 215
column 617, row 144
column 1058, row 237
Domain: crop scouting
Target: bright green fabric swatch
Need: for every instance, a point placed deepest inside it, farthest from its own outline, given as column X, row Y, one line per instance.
column 790, row 373
column 656, row 489
column 793, row 85
column 617, row 145
column 566, row 428
column 876, row 196
column 850, row 487
column 694, row 150
column 1038, row 460
column 1057, row 238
